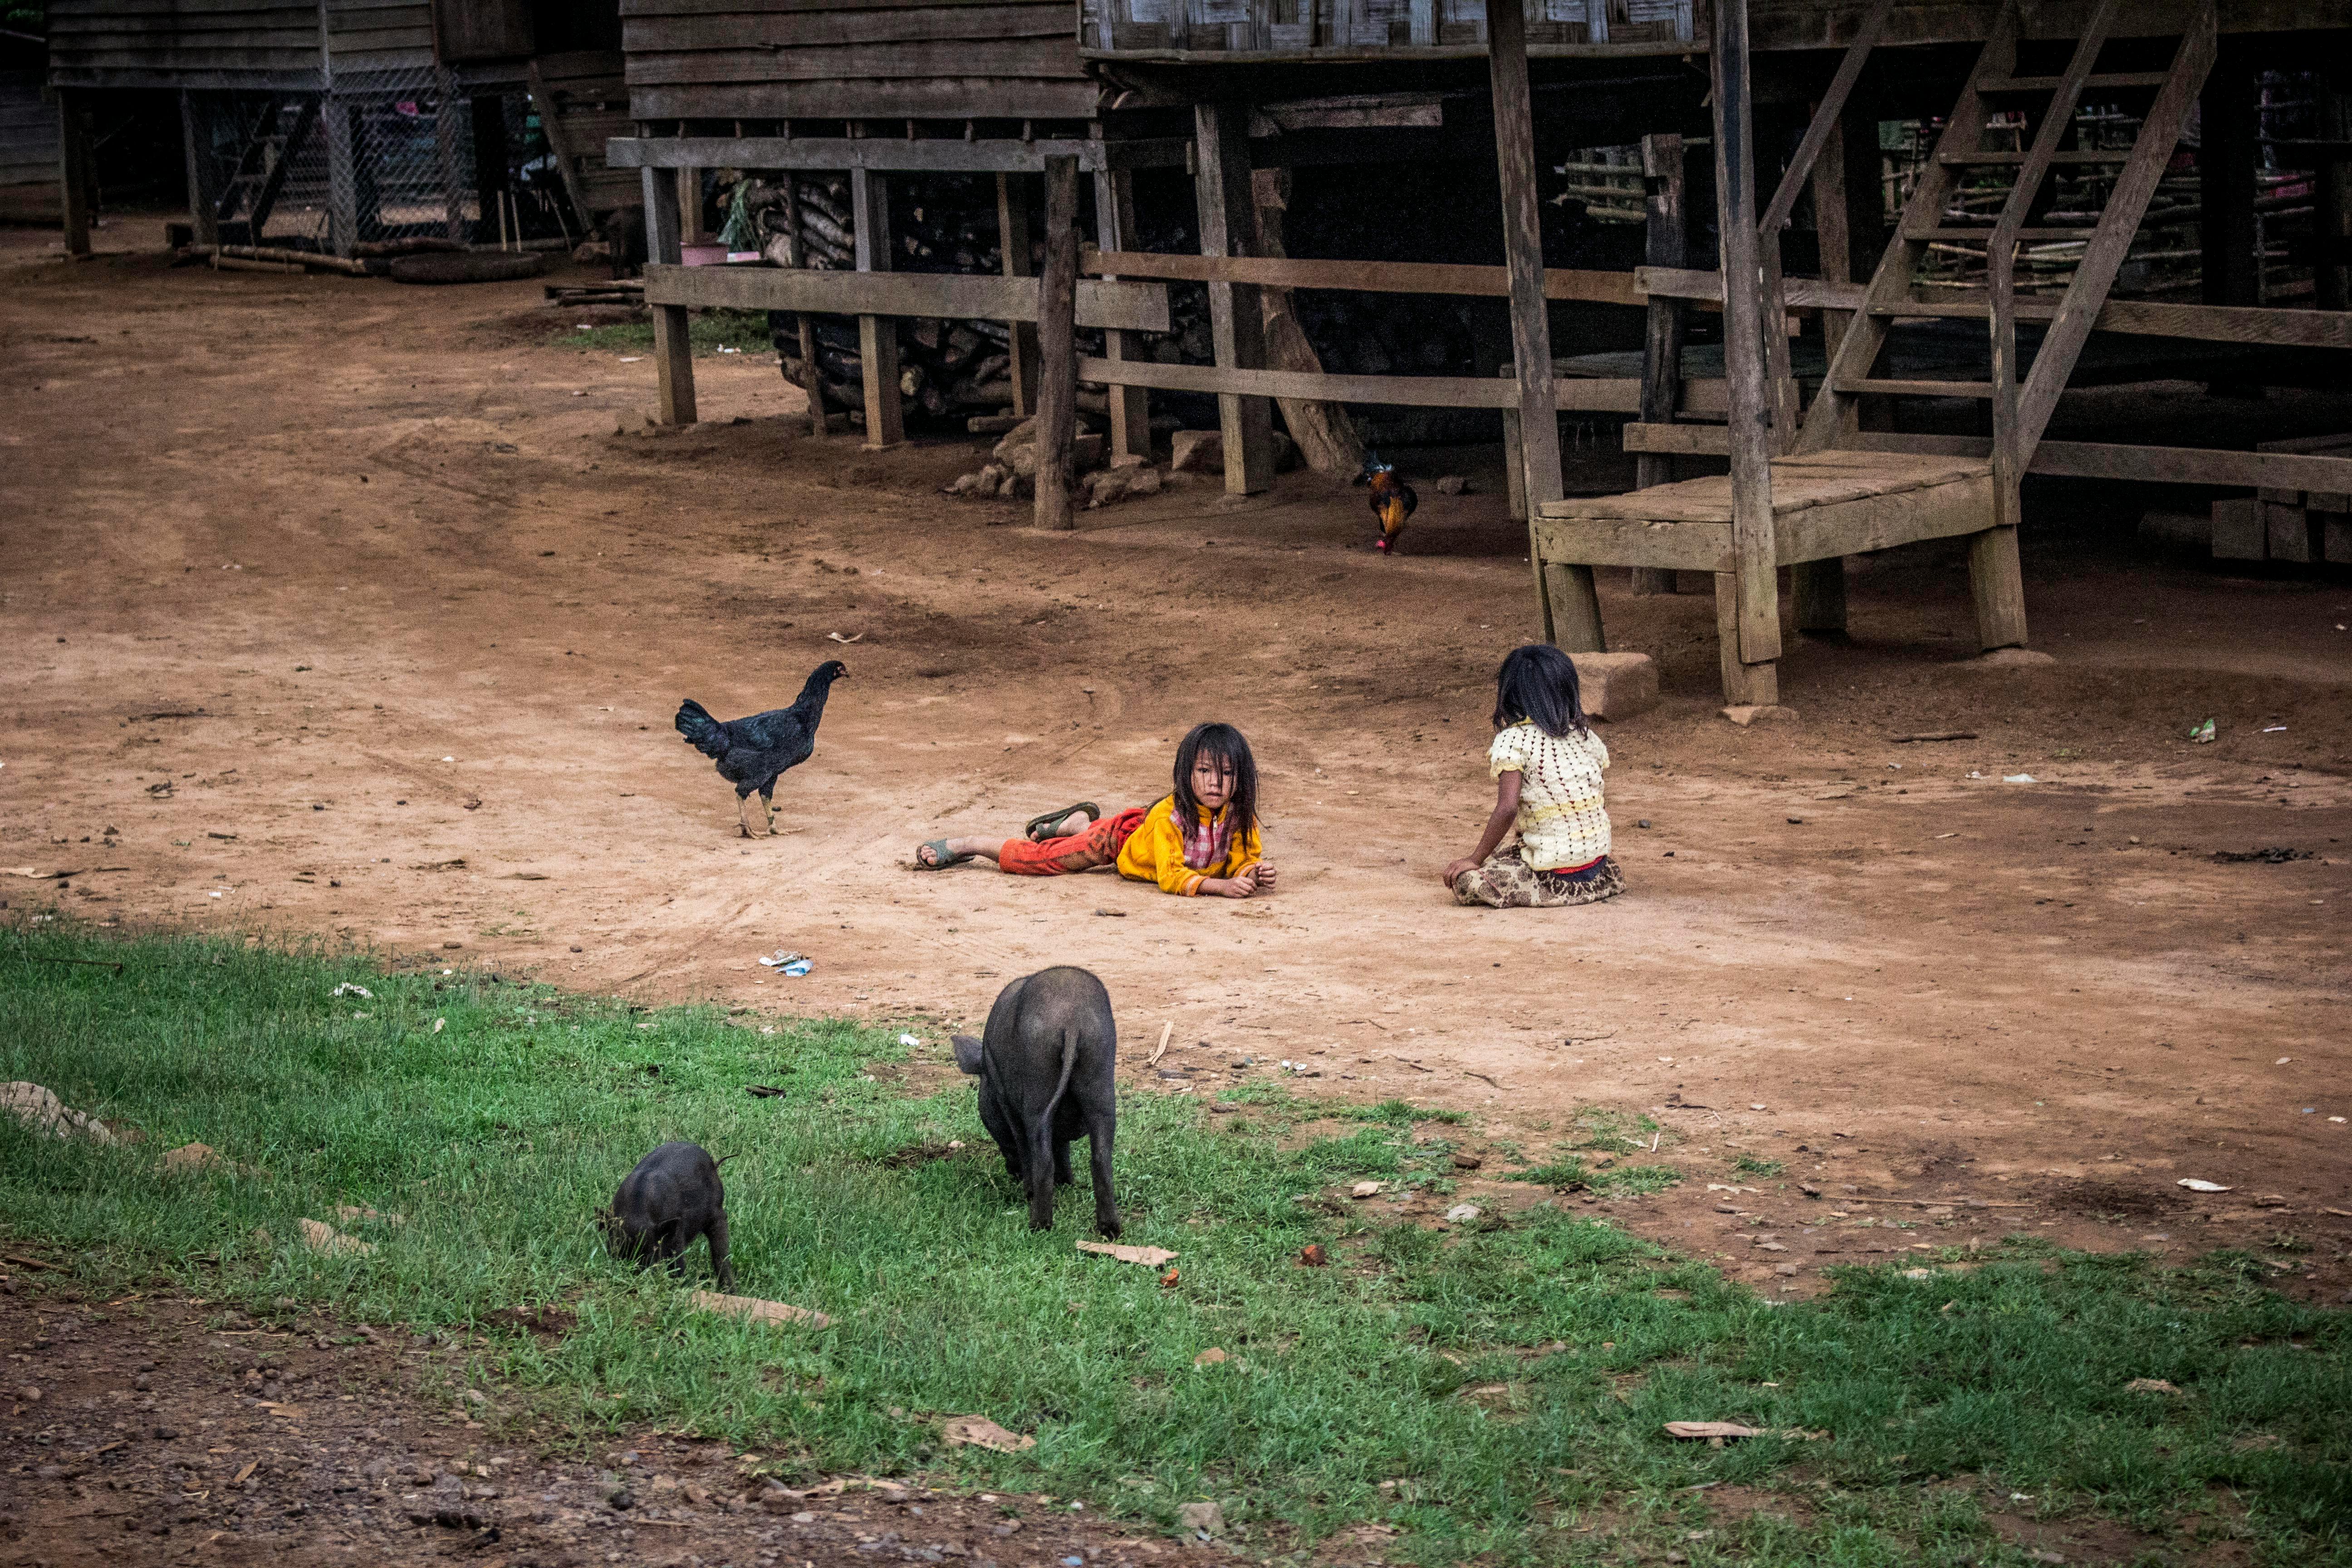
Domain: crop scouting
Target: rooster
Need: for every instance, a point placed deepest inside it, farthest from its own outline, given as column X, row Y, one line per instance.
column 1393, row 499
column 753, row 753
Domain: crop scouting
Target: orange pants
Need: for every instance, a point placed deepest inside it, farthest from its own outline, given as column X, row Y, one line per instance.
column 1097, row 846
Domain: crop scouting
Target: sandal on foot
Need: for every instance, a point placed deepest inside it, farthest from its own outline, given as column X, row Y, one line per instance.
column 1038, row 827
column 940, row 859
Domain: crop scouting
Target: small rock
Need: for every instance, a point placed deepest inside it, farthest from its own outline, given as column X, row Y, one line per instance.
column 964, row 484
column 42, row 1111
column 1108, row 486
column 622, row 1499
column 1147, row 481
column 1452, row 485
column 1464, row 1161
column 1213, row 1356
column 30, row 1394
column 1197, row 451
column 1463, row 1213
column 1784, row 1269
column 1202, row 1518
column 1363, row 1189
column 1312, row 1256
column 1745, row 715
column 2007, row 659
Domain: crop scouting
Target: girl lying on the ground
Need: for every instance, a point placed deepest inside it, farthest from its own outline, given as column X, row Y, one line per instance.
column 1547, row 765
column 1201, row 838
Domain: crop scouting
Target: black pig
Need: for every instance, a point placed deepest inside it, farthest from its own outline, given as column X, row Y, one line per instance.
column 1046, row 1064
column 672, row 1197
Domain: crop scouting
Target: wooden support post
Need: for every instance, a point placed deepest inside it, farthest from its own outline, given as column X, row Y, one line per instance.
column 673, row 351
column 444, row 149
column 1753, row 585
column 1515, row 469
column 1661, row 343
column 877, row 336
column 1568, row 607
column 1743, row 683
column 74, row 180
column 204, row 218
column 1013, row 244
column 342, row 178
column 492, row 171
column 1997, row 586
column 689, row 208
column 1236, row 318
column 1131, row 406
column 1058, row 347
column 819, row 422
column 1327, row 438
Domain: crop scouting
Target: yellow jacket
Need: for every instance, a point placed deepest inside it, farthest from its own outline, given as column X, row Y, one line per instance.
column 1154, row 852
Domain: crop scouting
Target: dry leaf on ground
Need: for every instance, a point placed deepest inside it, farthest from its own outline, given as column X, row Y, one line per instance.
column 2150, row 1385
column 980, row 1432
column 1713, row 1429
column 1149, row 1257
column 756, row 1310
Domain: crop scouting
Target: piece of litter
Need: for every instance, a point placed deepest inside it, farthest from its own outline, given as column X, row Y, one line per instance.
column 1918, row 1274
column 2282, row 1061
column 2203, row 733
column 1149, row 1257
column 348, row 989
column 1463, row 1213
column 631, row 359
column 908, row 1040
column 852, row 638
column 980, row 1432
column 2019, row 778
column 1712, row 1429
column 440, row 1024
column 2194, row 1185
column 1755, row 1106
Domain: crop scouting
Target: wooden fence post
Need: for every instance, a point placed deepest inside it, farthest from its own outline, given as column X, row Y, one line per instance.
column 1012, row 245
column 1058, row 346
column 1753, row 615
column 1131, row 406
column 673, row 351
column 877, row 336
column 1661, row 343
column 202, row 214
column 1569, row 608
column 73, row 170
column 342, row 177
column 1236, row 318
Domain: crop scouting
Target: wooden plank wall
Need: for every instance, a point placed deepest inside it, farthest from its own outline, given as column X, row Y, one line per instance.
column 28, row 131
column 1226, row 24
column 206, row 44
column 775, row 59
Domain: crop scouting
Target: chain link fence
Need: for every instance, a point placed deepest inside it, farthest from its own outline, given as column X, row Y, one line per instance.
column 415, row 156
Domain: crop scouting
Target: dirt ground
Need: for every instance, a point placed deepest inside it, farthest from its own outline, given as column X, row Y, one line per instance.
column 350, row 610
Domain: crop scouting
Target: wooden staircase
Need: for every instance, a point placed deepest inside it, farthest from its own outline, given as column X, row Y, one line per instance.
column 250, row 193
column 1801, row 493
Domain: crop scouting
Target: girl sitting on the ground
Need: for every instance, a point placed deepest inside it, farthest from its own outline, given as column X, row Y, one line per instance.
column 1201, row 838
column 1547, row 765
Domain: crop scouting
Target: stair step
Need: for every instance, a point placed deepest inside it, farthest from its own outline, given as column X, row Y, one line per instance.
column 1984, row 231
column 1989, row 160
column 2050, row 83
column 1918, row 388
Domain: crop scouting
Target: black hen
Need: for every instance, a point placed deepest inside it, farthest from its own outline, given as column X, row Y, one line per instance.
column 753, row 753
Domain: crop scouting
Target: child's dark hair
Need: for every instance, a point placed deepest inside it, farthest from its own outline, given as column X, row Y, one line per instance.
column 1537, row 682
column 1224, row 743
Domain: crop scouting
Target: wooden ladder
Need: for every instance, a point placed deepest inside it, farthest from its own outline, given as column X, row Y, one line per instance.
column 2021, row 409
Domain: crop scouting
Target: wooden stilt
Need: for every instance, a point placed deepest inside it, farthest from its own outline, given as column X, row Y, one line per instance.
column 1569, row 609
column 201, row 215
column 1760, row 683
column 444, row 150
column 673, row 354
column 1013, row 244
column 1058, row 346
column 1997, row 586
column 689, row 208
column 1515, row 467
column 1326, row 436
column 1661, row 343
column 1236, row 318
column 1131, row 406
column 877, row 336
column 819, row 422
column 1755, row 585
column 73, row 170
column 342, row 178
column 1819, row 591
column 491, row 171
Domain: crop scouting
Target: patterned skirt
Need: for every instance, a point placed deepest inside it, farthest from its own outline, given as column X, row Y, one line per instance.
column 1507, row 882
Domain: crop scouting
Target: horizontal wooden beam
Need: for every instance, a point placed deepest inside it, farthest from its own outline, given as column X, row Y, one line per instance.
column 2141, row 318
column 939, row 154
column 1570, row 394
column 1128, row 306
column 2071, row 460
column 1366, row 277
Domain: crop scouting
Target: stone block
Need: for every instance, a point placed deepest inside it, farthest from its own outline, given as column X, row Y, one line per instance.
column 2238, row 530
column 1197, row 452
column 1616, row 685
column 1744, row 714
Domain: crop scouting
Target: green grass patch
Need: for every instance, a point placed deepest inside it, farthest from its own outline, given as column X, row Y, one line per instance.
column 1495, row 1390
column 1756, row 1166
column 740, row 332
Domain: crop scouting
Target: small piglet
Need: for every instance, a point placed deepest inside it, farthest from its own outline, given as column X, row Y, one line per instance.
column 1044, row 1063
column 672, row 1197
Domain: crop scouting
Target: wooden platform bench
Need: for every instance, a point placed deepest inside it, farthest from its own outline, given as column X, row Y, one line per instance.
column 1826, row 506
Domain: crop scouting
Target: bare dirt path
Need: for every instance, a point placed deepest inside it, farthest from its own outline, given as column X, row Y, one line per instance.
column 339, row 608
